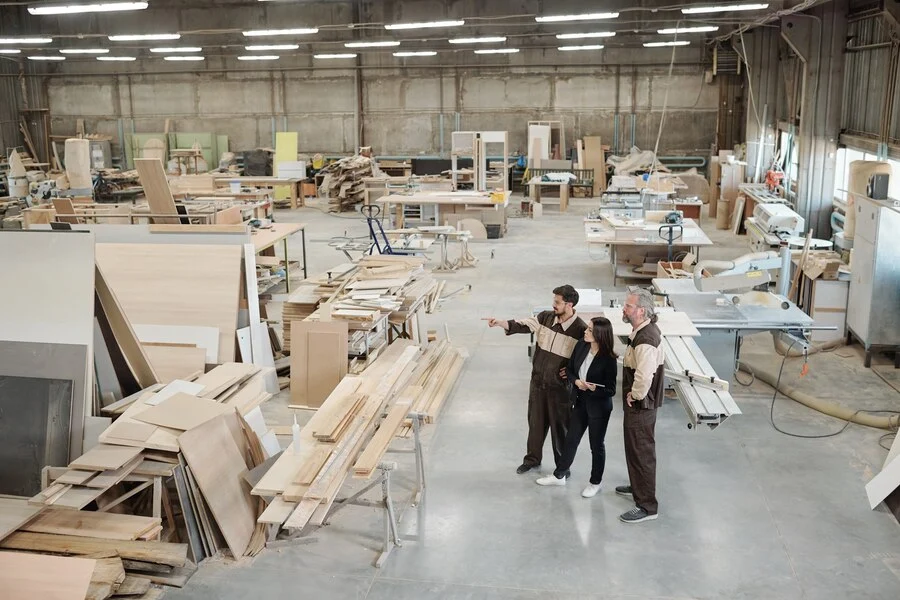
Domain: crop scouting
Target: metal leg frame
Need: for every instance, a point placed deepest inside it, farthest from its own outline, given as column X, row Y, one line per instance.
column 445, row 266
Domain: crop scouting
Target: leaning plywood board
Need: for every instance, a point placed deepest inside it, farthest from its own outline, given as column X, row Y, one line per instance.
column 218, row 466
column 318, row 360
column 78, row 164
column 285, row 151
column 175, row 362
column 882, row 485
column 105, row 525
column 201, row 337
column 595, row 159
column 15, row 512
column 43, row 577
column 173, row 555
column 201, row 285
column 156, row 189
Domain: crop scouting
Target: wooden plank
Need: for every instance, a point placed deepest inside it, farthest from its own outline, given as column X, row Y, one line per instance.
column 218, row 466
column 104, row 457
column 301, row 515
column 107, row 575
column 230, row 216
column 111, row 477
column 36, row 576
column 223, row 377
column 277, row 511
column 75, row 477
column 175, row 362
column 105, row 525
column 14, row 513
column 183, row 412
column 202, row 291
column 318, row 360
column 163, row 553
column 156, row 189
column 176, row 578
column 175, row 335
column 76, row 497
column 369, row 458
column 133, row 586
column 128, row 430
column 313, row 465
column 126, row 339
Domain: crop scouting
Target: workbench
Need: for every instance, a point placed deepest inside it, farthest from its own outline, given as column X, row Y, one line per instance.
column 224, row 180
column 264, row 241
column 534, row 191
column 642, row 238
column 446, row 202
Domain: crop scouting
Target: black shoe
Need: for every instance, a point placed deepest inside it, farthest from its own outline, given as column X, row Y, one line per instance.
column 637, row 515
column 525, row 467
column 624, row 490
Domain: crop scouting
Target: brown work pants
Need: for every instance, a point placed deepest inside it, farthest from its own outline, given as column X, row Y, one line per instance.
column 640, row 455
column 549, row 407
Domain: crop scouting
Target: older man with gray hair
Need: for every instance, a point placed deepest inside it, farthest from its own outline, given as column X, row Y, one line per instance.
column 642, row 387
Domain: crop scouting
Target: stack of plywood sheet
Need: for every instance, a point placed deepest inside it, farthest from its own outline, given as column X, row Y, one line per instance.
column 343, row 183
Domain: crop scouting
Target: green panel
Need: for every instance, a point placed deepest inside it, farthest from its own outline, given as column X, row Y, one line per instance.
column 133, row 148
column 207, row 142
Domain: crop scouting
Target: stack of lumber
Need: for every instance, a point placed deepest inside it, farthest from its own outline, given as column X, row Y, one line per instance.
column 300, row 304
column 304, row 481
column 436, row 373
column 343, row 183
column 113, row 558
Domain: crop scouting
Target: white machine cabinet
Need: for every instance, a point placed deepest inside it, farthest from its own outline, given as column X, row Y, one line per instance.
column 873, row 310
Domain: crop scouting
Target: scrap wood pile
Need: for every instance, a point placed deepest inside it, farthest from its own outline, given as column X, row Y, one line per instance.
column 362, row 294
column 343, row 182
column 341, row 439
column 178, row 452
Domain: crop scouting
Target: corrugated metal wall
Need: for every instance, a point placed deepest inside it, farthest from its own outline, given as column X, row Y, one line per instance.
column 869, row 70
column 9, row 102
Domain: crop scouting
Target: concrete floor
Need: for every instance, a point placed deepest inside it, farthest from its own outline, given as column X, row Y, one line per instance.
column 745, row 511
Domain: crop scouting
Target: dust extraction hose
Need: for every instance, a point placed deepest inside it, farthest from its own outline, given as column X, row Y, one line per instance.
column 827, row 407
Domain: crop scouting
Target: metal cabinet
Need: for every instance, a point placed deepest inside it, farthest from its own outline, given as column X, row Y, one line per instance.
column 873, row 311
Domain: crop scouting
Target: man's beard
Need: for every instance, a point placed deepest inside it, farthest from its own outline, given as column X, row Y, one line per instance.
column 625, row 319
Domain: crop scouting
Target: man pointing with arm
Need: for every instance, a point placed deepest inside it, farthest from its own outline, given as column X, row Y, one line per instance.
column 556, row 331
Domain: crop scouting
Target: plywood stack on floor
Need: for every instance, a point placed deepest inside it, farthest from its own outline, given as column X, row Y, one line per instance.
column 343, row 182
column 304, row 481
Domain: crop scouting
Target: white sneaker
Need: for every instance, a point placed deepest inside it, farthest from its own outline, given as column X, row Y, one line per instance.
column 591, row 490
column 550, row 480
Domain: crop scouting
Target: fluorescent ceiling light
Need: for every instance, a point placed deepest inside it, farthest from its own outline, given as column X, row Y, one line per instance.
column 702, row 29
column 258, row 57
column 661, row 44
column 86, row 8
column 175, row 50
column 272, row 47
column 144, row 37
column 25, row 40
column 117, row 58
column 10, row 51
column 479, row 40
column 419, row 53
column 699, row 10
column 587, row 17
column 265, row 32
column 46, row 58
column 386, row 44
column 183, row 58
column 578, row 36
column 345, row 55
column 498, row 51
column 427, row 25
column 84, row 51
column 591, row 47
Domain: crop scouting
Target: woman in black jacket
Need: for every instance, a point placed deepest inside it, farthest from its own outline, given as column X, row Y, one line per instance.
column 592, row 370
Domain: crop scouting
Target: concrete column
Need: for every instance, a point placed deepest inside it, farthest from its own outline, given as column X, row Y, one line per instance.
column 818, row 38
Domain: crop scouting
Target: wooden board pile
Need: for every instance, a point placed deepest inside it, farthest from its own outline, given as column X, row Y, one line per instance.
column 343, row 183
column 341, row 438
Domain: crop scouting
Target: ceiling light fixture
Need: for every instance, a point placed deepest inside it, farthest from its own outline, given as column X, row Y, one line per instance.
column 117, row 58
column 84, row 51
column 175, row 50
column 183, row 58
column 478, row 40
column 46, row 58
column 272, row 47
column 71, row 9
column 10, row 51
column 590, row 47
column 700, row 10
column 258, row 57
column 386, row 44
column 419, row 53
column 498, row 51
column 426, row 25
column 578, row 36
column 587, row 17
column 266, row 32
column 661, row 44
column 345, row 55
column 144, row 37
column 25, row 40
column 702, row 29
